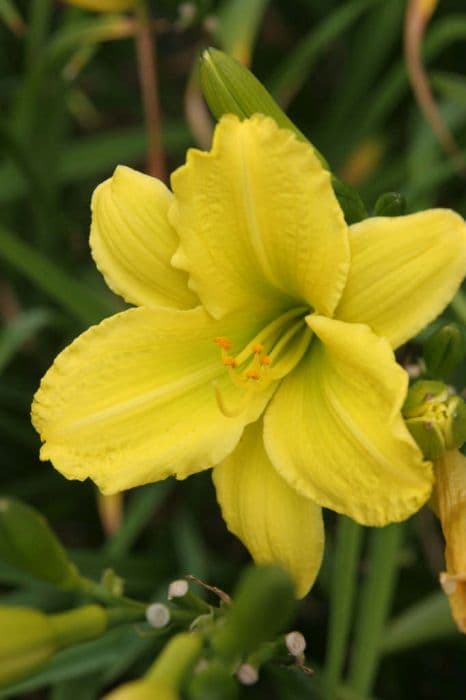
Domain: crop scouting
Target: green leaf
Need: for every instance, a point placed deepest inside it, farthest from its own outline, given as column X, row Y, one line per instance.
column 296, row 67
column 78, row 661
column 349, row 200
column 142, row 508
column 28, row 543
column 74, row 297
column 428, row 621
column 15, row 333
column 238, row 22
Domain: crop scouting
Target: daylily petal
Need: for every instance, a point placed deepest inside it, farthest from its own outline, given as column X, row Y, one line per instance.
column 404, row 271
column 132, row 241
column 335, row 432
column 132, row 400
column 258, row 221
column 274, row 522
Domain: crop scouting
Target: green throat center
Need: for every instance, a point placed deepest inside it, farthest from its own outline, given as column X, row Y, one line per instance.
column 269, row 356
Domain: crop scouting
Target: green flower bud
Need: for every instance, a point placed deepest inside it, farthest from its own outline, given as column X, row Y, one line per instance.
column 143, row 690
column 444, row 350
column 214, row 682
column 167, row 673
column 390, row 204
column 262, row 606
column 28, row 543
column 435, row 418
column 30, row 637
column 27, row 641
column 230, row 88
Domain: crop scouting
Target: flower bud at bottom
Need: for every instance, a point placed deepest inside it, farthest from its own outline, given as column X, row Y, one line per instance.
column 27, row 641
column 143, row 690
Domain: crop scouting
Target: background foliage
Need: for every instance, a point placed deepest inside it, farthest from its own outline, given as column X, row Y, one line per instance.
column 70, row 111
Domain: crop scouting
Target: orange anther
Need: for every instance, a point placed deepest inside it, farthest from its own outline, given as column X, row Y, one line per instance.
column 252, row 374
column 257, row 348
column 229, row 361
column 223, row 342
column 265, row 360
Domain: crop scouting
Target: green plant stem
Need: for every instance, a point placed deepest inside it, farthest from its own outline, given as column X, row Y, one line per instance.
column 147, row 66
column 344, row 578
column 375, row 601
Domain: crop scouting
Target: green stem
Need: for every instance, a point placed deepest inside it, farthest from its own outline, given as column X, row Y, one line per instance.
column 100, row 593
column 348, row 547
column 374, row 606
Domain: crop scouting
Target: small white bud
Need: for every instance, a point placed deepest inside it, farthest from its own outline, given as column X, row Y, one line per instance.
column 158, row 615
column 247, row 674
column 177, row 589
column 295, row 643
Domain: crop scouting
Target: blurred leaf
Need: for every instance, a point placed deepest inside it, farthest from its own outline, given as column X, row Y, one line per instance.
column 28, row 543
column 11, row 17
column 141, row 509
column 451, row 85
column 190, row 547
column 97, row 155
column 238, row 22
column 74, row 297
column 78, row 661
column 296, row 68
column 14, row 334
column 427, row 621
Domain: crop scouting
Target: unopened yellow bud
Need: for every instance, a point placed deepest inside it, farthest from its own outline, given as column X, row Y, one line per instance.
column 103, row 5
column 30, row 637
column 449, row 502
column 27, row 640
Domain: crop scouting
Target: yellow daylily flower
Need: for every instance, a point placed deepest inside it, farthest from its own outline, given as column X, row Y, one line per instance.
column 262, row 344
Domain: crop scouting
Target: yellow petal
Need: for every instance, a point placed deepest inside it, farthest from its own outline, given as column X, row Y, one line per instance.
column 132, row 241
column 335, row 432
column 404, row 271
column 132, row 400
column 276, row 524
column 258, row 220
column 449, row 498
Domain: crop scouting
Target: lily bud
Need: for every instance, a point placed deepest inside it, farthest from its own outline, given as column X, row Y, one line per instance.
column 143, row 690
column 262, row 605
column 28, row 543
column 104, row 5
column 30, row 637
column 26, row 642
column 390, row 204
column 444, row 350
column 449, row 502
column 230, row 88
column 167, row 673
column 435, row 418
